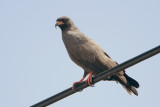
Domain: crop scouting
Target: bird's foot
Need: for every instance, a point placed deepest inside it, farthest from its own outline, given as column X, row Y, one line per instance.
column 89, row 79
column 75, row 84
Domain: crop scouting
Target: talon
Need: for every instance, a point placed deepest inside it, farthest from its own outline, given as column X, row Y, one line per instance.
column 76, row 83
column 89, row 79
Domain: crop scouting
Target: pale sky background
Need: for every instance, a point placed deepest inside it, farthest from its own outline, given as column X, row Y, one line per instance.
column 34, row 64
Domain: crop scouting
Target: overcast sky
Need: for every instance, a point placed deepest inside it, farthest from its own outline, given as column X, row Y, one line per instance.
column 34, row 63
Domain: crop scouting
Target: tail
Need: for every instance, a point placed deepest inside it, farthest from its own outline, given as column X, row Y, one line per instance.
column 132, row 81
column 128, row 83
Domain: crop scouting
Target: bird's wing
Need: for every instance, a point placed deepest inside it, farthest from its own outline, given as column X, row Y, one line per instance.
column 104, row 60
column 86, row 53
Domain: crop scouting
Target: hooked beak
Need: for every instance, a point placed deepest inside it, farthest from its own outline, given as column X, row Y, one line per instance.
column 56, row 25
column 59, row 23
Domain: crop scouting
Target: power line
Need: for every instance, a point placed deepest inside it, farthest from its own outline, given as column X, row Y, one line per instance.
column 99, row 77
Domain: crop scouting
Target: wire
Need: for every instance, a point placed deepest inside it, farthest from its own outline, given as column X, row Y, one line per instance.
column 99, row 77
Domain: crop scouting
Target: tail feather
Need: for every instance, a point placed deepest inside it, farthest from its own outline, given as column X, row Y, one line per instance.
column 133, row 90
column 126, row 84
column 128, row 90
column 132, row 81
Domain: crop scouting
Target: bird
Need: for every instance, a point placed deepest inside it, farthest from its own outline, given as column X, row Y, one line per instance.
column 87, row 54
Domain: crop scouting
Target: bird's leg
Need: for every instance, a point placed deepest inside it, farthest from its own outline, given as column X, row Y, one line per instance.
column 78, row 82
column 89, row 79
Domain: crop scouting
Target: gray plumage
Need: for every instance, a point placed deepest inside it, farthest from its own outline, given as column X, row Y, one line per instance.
column 87, row 54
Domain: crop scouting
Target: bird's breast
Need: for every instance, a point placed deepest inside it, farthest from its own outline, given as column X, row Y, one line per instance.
column 74, row 42
column 75, row 45
column 78, row 48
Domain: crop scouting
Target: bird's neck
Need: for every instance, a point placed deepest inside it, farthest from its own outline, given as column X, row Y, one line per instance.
column 65, row 29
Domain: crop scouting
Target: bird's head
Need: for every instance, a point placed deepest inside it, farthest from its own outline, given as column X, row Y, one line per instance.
column 64, row 22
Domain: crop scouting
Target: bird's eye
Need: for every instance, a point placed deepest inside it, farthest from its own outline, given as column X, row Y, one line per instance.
column 60, row 20
column 64, row 20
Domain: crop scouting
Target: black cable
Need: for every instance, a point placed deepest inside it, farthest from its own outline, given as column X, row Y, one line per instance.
column 99, row 77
